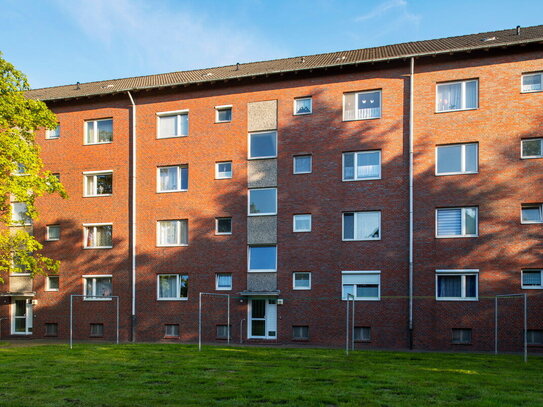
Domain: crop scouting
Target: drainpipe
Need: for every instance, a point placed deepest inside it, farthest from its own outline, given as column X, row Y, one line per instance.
column 133, row 219
column 411, row 135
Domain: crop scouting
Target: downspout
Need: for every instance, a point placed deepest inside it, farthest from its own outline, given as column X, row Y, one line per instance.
column 133, row 219
column 411, row 135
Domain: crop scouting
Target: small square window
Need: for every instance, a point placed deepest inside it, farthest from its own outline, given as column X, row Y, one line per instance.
column 532, row 279
column 535, row 336
column 362, row 333
column 302, row 164
column 461, row 336
column 301, row 223
column 532, row 148
column 223, row 170
column 53, row 232
column 171, row 331
column 300, row 332
column 99, row 131
column 532, row 213
column 223, row 114
column 52, row 283
column 97, row 330
column 223, row 281
column 532, row 82
column 224, row 331
column 303, row 106
column 51, row 329
column 262, row 201
column 53, row 134
column 223, row 226
column 301, row 280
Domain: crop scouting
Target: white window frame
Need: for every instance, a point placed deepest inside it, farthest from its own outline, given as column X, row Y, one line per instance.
column 462, row 273
column 294, row 287
column 179, row 166
column 530, row 74
column 94, row 225
column 178, row 244
column 249, row 202
column 540, row 205
column 302, row 230
column 47, row 230
column 356, row 165
column 462, row 219
column 217, row 173
column 90, row 297
column 178, row 284
column 224, row 107
column 95, row 126
column 462, row 159
column 531, row 287
column 94, row 174
column 302, row 98
column 529, row 157
column 463, row 97
column 362, row 272
column 356, row 105
column 229, row 288
column 310, row 164
column 178, row 123
column 51, row 134
column 355, row 226
column 217, row 226
column 264, row 157
column 249, row 270
column 48, row 283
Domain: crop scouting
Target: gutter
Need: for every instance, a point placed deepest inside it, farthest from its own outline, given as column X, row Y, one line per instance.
column 411, row 136
column 132, row 204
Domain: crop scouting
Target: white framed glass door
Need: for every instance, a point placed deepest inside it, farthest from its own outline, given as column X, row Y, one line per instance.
column 262, row 318
column 21, row 316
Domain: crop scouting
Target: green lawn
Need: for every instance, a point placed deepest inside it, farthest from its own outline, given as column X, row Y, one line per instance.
column 178, row 375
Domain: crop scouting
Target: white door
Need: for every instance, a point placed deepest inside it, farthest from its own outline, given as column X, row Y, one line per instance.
column 21, row 316
column 262, row 318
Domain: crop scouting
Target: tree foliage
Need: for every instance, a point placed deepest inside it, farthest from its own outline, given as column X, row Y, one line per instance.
column 22, row 177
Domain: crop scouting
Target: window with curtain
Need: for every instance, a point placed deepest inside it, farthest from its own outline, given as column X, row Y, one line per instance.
column 362, row 165
column 172, row 232
column 54, row 133
column 99, row 131
column 532, row 82
column 362, row 285
column 532, row 148
column 300, row 332
column 302, row 223
column 172, row 287
column 301, row 280
column 461, row 336
column 98, row 236
column 362, row 105
column 175, row 124
column 534, row 336
column 174, row 178
column 223, row 281
column 97, row 287
column 532, row 278
column 362, row 333
column 457, row 222
column 456, row 284
column 457, row 159
column 97, row 184
column 457, row 96
column 362, row 225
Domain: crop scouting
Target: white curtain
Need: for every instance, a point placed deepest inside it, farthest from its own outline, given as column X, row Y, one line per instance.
column 369, row 105
column 367, row 165
column 169, row 232
column 449, row 97
column 168, row 179
column 168, row 126
column 167, row 287
column 367, row 225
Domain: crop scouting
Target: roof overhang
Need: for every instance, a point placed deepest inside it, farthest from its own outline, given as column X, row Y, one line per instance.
column 247, row 293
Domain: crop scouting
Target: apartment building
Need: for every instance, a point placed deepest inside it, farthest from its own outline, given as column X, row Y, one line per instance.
column 405, row 177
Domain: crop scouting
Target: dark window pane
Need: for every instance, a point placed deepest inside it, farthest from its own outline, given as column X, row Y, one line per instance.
column 263, row 145
column 348, row 226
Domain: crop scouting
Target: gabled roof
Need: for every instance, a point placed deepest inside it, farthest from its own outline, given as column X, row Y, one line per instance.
column 254, row 69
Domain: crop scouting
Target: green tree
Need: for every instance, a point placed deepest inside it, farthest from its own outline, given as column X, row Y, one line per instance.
column 22, row 177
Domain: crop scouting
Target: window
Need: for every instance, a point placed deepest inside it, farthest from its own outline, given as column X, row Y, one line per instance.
column 97, row 330
column 362, row 225
column 361, row 166
column 173, row 124
column 223, row 281
column 302, row 223
column 172, row 232
column 535, row 336
column 532, row 279
column 98, row 236
column 56, row 175
column 99, row 131
column 172, row 287
column 454, row 96
column 532, row 148
column 363, row 285
column 53, row 232
column 171, row 331
column 224, row 331
column 456, row 159
column 303, row 106
column 302, row 164
column 263, row 145
column 98, row 183
column 263, row 201
column 96, row 287
column 532, row 82
column 51, row 329
column 51, row 283
column 172, row 179
column 461, row 336
column 532, row 213
column 300, row 332
column 301, row 280
column 19, row 214
column 456, row 284
column 456, row 222
column 362, row 334
column 223, row 114
column 262, row 258
column 53, row 134
column 223, row 226
column 223, row 170
column 362, row 105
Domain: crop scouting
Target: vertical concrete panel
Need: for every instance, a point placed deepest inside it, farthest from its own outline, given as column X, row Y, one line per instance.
column 262, row 230
column 262, row 115
column 262, row 173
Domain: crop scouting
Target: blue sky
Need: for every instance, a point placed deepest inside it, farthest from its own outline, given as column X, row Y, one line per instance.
column 58, row 42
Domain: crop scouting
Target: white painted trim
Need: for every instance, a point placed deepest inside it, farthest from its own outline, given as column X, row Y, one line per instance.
column 225, row 107
column 94, row 297
column 531, row 287
column 463, row 223
column 85, row 232
column 178, row 123
column 462, row 158
column 294, row 164
column 172, row 112
column 531, row 74
column 303, row 230
column 362, row 272
column 47, row 283
column 217, row 169
column 294, row 281
column 178, row 282
column 179, row 178
column 262, row 213
column 158, row 244
column 302, row 98
column 95, row 126
column 536, row 222
column 94, row 174
column 222, row 288
column 463, row 95
column 531, row 156
column 355, row 224
column 355, row 165
column 462, row 274
column 47, row 238
column 262, row 132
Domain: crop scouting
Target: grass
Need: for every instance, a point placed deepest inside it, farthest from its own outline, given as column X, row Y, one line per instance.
column 178, row 375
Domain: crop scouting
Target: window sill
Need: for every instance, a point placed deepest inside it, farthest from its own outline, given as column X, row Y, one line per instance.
column 223, row 289
column 303, row 114
column 96, row 196
column 301, row 288
column 301, row 231
column 531, row 158
column 172, row 245
column 458, row 299
column 96, row 299
column 223, row 234
column 456, row 237
column 22, row 333
column 357, row 120
column 52, row 240
column 223, row 121
column 219, row 178
column 302, row 173
column 455, row 173
column 98, row 248
column 361, row 179
column 456, row 110
column 362, row 299
column 96, row 144
column 539, row 287
column 52, row 138
column 261, row 271
column 531, row 223
column 174, row 190
column 531, row 91
column 168, row 137
column 263, row 214
column 52, row 291
column 262, row 158
column 172, row 299
column 360, row 240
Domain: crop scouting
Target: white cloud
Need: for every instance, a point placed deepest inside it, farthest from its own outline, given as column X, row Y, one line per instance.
column 381, row 9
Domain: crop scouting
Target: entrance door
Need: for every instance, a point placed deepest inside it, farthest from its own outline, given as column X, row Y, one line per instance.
column 262, row 318
column 21, row 316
